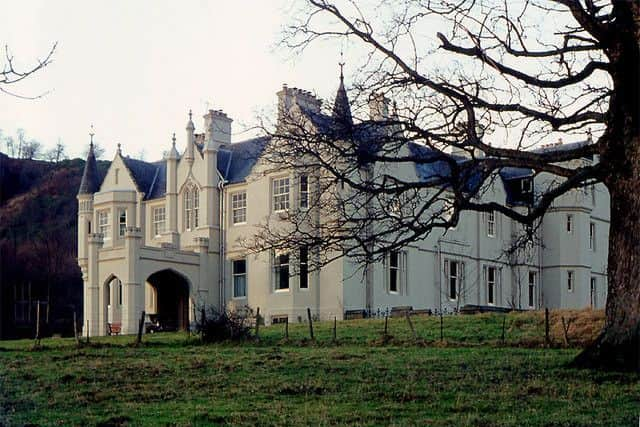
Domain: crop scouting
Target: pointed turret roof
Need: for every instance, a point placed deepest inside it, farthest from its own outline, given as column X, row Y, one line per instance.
column 90, row 178
column 341, row 108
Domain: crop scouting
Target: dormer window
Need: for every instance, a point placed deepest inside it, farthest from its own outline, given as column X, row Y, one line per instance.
column 191, row 203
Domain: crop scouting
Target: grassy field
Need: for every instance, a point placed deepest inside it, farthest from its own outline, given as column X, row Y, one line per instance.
column 472, row 378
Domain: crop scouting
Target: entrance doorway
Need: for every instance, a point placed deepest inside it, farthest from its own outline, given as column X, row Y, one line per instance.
column 168, row 301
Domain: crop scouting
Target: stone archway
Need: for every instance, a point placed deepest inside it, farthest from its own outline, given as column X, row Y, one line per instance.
column 111, row 304
column 168, row 303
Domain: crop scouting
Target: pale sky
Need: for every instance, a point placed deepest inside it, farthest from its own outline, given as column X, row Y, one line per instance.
column 133, row 69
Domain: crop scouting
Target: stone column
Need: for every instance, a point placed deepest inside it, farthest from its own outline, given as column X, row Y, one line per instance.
column 93, row 312
column 133, row 289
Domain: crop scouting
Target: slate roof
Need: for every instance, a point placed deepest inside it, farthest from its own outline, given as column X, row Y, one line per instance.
column 91, row 180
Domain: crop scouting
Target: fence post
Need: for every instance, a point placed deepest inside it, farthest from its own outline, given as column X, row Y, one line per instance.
column 413, row 331
column 386, row 328
column 37, row 340
column 335, row 327
column 310, row 323
column 140, row 327
column 87, row 331
column 75, row 328
column 441, row 327
column 257, row 322
column 504, row 320
column 286, row 328
column 547, row 341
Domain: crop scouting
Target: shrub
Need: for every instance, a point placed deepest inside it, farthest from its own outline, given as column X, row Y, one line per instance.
column 223, row 326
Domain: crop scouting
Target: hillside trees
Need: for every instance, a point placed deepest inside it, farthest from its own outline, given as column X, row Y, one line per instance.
column 487, row 79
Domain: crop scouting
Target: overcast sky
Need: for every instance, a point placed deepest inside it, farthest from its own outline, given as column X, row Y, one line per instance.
column 133, row 69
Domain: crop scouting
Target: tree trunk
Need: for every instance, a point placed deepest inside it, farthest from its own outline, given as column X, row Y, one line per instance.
column 617, row 346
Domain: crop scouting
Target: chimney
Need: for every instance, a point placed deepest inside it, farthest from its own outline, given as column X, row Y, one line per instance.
column 378, row 107
column 288, row 97
column 217, row 127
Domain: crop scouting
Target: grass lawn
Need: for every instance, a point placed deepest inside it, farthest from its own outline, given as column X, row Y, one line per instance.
column 471, row 379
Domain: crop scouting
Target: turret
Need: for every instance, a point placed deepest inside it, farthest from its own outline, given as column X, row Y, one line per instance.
column 171, row 209
column 88, row 186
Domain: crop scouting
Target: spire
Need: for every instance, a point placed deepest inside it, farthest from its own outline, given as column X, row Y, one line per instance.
column 189, row 154
column 173, row 153
column 89, row 183
column 341, row 108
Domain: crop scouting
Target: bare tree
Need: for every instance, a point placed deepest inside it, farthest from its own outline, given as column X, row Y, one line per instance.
column 57, row 153
column 499, row 71
column 10, row 74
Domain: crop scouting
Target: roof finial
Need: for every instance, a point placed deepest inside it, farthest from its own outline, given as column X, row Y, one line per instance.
column 341, row 64
column 119, row 148
column 190, row 116
column 173, row 140
column 91, row 134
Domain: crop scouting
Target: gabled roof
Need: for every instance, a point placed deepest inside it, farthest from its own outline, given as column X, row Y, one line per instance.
column 144, row 174
column 235, row 161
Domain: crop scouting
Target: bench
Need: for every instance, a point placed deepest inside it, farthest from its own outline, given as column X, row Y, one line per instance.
column 114, row 328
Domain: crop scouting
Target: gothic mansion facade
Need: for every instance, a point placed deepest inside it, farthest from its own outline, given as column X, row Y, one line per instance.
column 163, row 237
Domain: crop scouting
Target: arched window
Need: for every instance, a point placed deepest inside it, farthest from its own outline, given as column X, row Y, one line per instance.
column 191, row 204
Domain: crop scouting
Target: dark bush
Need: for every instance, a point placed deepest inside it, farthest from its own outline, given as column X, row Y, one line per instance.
column 225, row 326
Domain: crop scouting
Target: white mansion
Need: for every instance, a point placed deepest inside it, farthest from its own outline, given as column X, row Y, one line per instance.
column 163, row 237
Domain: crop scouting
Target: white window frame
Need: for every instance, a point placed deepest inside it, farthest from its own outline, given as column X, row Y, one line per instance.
column 592, row 236
column 280, row 192
column 236, row 275
column 570, row 280
column 191, row 206
column 122, row 225
column 491, row 223
column 492, row 284
column 104, row 223
column 457, row 279
column 394, row 271
column 303, row 192
column 159, row 220
column 569, row 224
column 532, row 285
column 239, row 207
column 277, row 266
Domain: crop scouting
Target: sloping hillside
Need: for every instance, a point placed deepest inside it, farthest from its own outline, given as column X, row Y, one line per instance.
column 38, row 212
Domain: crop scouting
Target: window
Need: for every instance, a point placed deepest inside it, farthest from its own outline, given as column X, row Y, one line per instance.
column 569, row 223
column 119, row 292
column 191, row 207
column 491, row 285
column 239, row 271
column 280, row 194
column 454, row 273
column 281, row 270
column 304, row 192
column 239, row 207
column 159, row 218
column 122, row 222
column 491, row 224
column 394, row 271
column 103, row 224
column 570, row 281
column 593, row 292
column 532, row 288
column 304, row 267
column 592, row 236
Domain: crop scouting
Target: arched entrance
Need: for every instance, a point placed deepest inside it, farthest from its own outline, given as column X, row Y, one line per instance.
column 168, row 300
column 112, row 304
